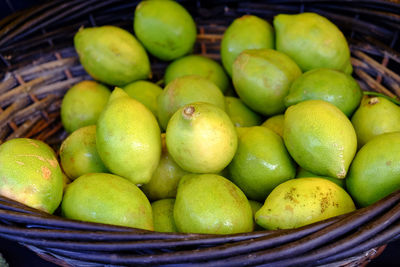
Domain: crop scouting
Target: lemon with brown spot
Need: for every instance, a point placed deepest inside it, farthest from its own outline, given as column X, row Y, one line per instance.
column 30, row 174
column 303, row 201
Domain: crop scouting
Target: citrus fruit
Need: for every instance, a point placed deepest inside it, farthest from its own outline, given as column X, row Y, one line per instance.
column 201, row 138
column 303, row 201
column 211, row 204
column 165, row 28
column 112, row 55
column 262, row 78
column 246, row 32
column 30, row 174
column 82, row 104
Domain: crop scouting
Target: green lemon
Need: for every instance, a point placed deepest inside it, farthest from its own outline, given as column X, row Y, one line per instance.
column 198, row 65
column 275, row 123
column 165, row 28
column 375, row 171
column 163, row 215
column 320, row 138
column 260, row 163
column 211, row 204
column 185, row 90
column 329, row 85
column 375, row 116
column 30, row 174
column 201, row 138
column 145, row 92
column 303, row 201
column 165, row 179
column 240, row 114
column 262, row 78
column 255, row 206
column 302, row 173
column 128, row 138
column 112, row 55
column 78, row 153
column 107, row 198
column 82, row 105
column 312, row 41
column 246, row 32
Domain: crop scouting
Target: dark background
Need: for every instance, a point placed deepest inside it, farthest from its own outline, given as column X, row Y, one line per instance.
column 17, row 255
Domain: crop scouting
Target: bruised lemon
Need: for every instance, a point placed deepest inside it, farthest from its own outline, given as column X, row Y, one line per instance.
column 303, row 201
column 30, row 174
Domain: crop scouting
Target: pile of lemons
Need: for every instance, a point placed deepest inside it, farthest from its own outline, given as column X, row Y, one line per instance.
column 277, row 136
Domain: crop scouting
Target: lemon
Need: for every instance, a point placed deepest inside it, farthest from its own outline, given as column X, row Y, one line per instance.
column 303, row 201
column 262, row 78
column 112, row 55
column 198, row 65
column 211, row 204
column 240, row 114
column 78, row 153
column 30, row 174
column 329, row 85
column 128, row 138
column 275, row 123
column 246, row 32
column 185, row 90
column 82, row 104
column 165, row 179
column 165, row 28
column 201, row 138
column 375, row 171
column 107, row 198
column 163, row 215
column 145, row 92
column 320, row 138
column 312, row 41
column 375, row 116
column 301, row 173
column 260, row 163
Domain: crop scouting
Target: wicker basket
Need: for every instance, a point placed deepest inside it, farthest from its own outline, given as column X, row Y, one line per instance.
column 39, row 64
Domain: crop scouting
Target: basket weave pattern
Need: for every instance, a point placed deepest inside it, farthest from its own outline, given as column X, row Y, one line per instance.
column 39, row 64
